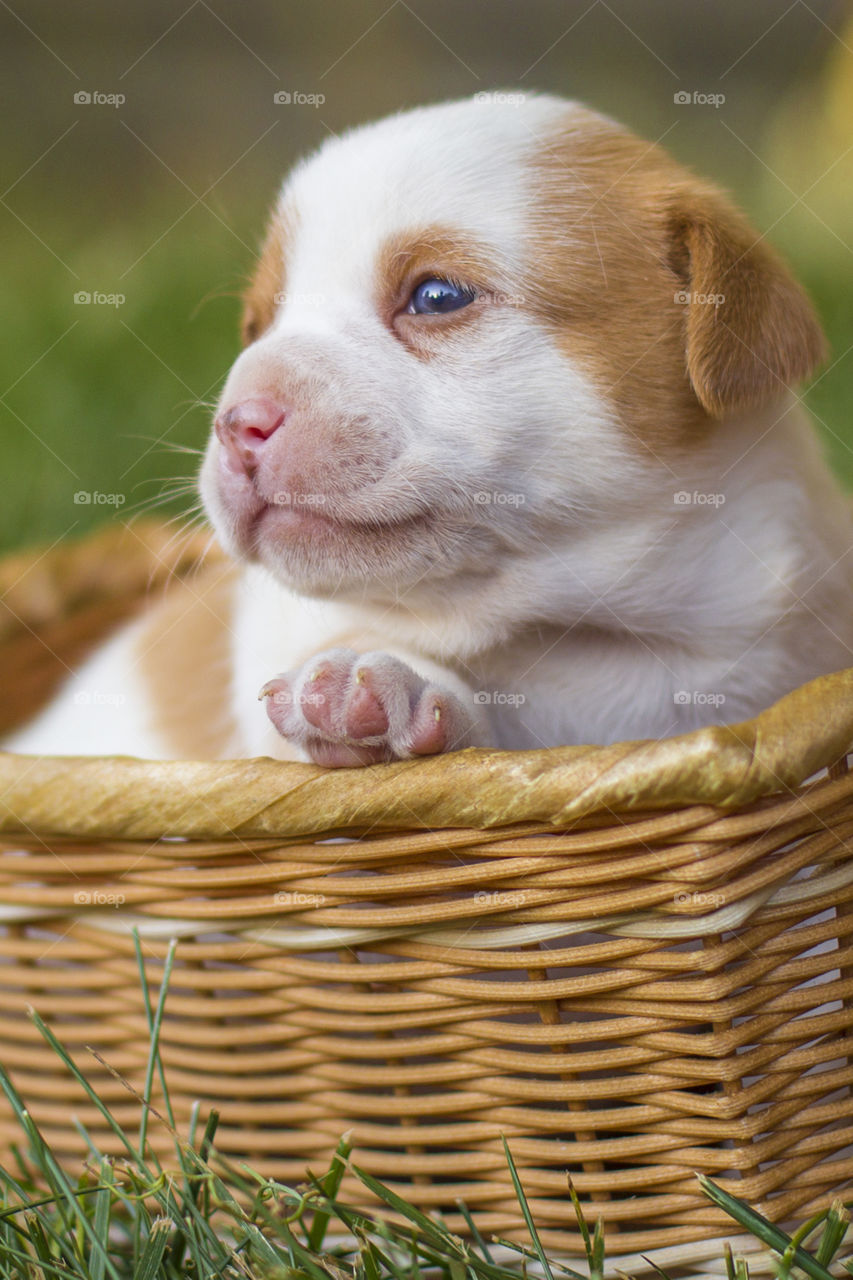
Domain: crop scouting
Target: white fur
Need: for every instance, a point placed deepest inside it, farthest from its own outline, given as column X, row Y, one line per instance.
column 101, row 710
column 581, row 608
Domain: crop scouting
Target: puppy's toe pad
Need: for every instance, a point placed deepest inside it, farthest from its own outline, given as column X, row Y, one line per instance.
column 366, row 717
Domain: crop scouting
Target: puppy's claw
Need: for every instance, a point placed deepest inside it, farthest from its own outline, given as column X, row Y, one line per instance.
column 270, row 688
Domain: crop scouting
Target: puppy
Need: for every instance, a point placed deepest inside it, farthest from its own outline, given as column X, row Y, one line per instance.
column 510, row 458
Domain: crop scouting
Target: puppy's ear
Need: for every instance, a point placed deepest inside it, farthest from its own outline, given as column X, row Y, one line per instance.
column 751, row 331
column 264, row 289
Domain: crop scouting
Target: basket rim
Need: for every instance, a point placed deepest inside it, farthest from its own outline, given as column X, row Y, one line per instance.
column 721, row 766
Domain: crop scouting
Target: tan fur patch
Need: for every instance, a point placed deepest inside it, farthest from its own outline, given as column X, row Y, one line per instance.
column 268, row 280
column 184, row 660
column 619, row 239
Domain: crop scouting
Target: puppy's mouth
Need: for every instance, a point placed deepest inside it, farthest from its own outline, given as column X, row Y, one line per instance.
column 283, row 528
column 317, row 549
column 313, row 515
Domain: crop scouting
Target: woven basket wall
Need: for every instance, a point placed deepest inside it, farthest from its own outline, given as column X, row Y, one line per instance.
column 633, row 961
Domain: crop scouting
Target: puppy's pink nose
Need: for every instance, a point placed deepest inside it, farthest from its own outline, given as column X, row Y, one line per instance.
column 249, row 422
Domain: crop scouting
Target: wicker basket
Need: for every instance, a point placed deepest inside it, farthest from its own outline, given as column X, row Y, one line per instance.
column 634, row 961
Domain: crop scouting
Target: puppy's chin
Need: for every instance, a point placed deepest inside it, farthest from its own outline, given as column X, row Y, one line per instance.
column 323, row 557
column 310, row 548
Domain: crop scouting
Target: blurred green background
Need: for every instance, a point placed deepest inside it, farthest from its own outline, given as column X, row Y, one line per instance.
column 162, row 198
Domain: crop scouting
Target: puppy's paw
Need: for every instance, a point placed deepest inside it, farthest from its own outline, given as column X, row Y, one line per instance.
column 344, row 708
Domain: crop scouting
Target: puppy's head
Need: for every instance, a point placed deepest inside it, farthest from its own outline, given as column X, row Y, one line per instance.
column 474, row 333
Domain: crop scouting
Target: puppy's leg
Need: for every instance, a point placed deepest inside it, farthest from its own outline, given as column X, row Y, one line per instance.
column 343, row 708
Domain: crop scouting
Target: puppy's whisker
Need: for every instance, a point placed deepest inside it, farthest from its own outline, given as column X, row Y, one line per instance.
column 189, row 533
column 185, row 531
column 165, row 498
column 161, row 441
column 169, row 484
column 192, row 451
column 180, row 482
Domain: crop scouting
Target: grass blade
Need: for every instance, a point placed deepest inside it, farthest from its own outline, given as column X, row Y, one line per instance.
column 428, row 1228
column 155, row 1247
column 101, row 1223
column 763, row 1230
column 475, row 1231
column 38, row 1239
column 526, row 1252
column 64, row 1191
column 330, row 1184
column 154, row 1024
column 596, row 1271
column 63, row 1054
column 834, row 1231
column 581, row 1220
column 525, row 1209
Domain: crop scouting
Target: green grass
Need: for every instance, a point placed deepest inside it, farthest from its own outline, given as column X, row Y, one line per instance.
column 106, row 399
column 830, row 396
column 208, row 1218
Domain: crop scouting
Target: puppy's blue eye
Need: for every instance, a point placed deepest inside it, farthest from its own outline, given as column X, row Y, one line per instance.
column 436, row 297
